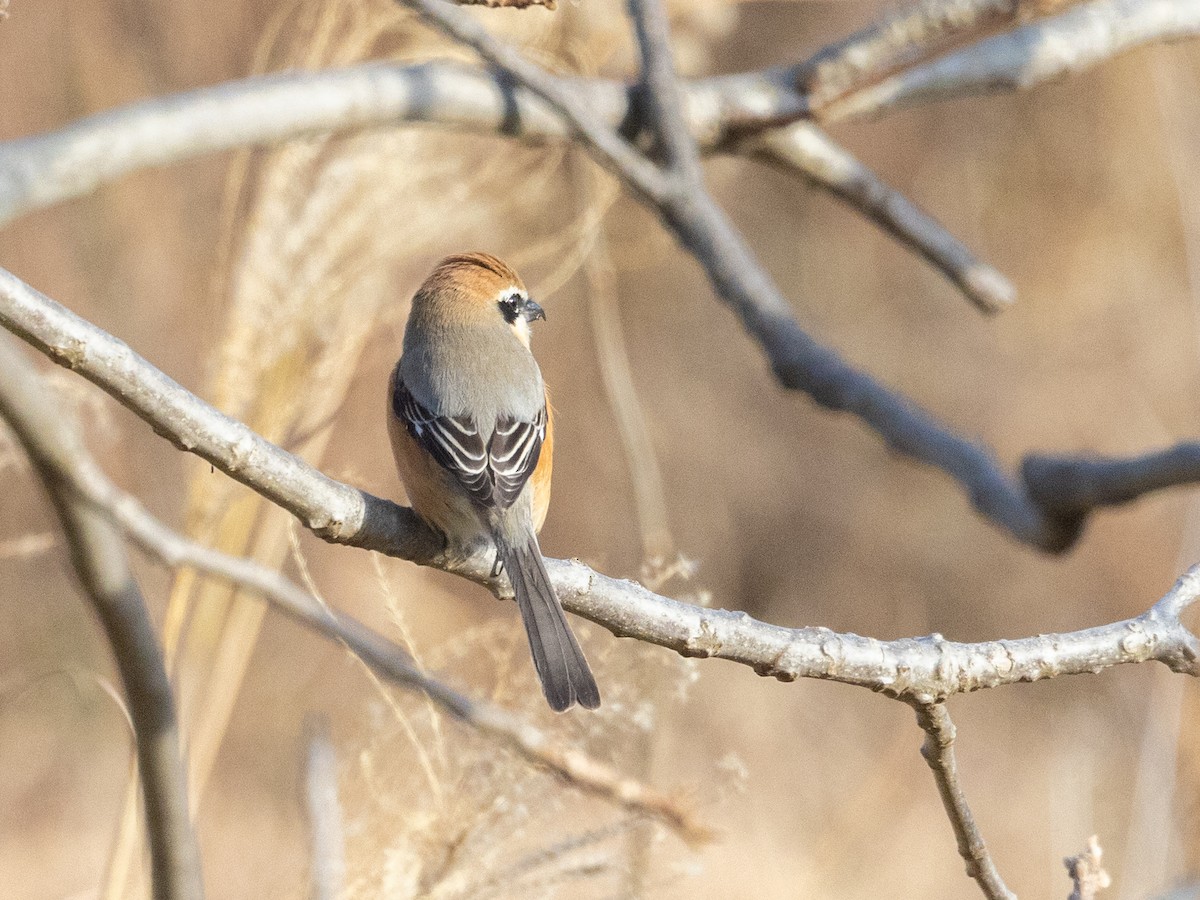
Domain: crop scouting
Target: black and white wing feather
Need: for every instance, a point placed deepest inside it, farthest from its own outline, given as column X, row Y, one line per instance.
column 494, row 473
column 513, row 455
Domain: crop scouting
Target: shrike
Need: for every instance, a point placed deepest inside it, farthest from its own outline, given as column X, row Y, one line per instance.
column 473, row 437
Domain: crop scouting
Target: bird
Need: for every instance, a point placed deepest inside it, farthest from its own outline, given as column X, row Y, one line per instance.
column 472, row 432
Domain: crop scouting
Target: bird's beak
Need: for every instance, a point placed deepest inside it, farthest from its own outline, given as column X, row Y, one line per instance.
column 532, row 312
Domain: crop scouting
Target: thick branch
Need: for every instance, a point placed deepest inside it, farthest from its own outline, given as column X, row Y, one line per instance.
column 923, row 669
column 39, row 171
column 1071, row 486
column 332, row 510
column 661, row 92
column 79, row 478
column 1017, row 60
column 898, row 40
column 938, row 751
column 98, row 555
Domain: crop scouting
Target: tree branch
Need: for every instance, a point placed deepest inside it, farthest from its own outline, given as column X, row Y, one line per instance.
column 1086, row 870
column 46, row 169
column 898, row 40
column 938, row 751
column 78, row 477
column 800, row 363
column 661, row 93
column 925, row 669
column 1025, row 57
column 805, row 148
column 98, row 555
column 1072, row 485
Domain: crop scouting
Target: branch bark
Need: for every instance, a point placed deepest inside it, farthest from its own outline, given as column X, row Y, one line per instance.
column 98, row 556
column 78, row 478
column 925, row 669
column 40, row 171
column 938, row 751
column 1025, row 57
column 804, row 148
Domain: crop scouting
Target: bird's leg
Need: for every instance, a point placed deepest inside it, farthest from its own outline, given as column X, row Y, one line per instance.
column 497, row 565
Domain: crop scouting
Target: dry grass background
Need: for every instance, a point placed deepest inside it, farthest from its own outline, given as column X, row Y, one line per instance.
column 276, row 284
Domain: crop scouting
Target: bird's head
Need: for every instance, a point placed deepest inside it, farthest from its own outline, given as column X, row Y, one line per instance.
column 478, row 288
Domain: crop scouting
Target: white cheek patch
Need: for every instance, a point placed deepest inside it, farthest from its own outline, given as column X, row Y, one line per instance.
column 521, row 327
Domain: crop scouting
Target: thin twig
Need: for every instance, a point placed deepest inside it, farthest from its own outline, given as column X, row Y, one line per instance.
column 938, row 751
column 48, row 434
column 926, row 669
column 1087, row 872
column 1073, row 485
column 78, row 472
column 1025, row 57
column 805, row 148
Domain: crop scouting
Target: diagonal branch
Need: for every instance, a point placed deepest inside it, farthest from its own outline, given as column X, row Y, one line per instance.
column 98, row 555
column 77, row 477
column 661, row 92
column 1025, row 57
column 922, row 669
column 799, row 362
column 46, row 169
column 805, row 148
column 938, row 751
column 895, row 41
column 608, row 147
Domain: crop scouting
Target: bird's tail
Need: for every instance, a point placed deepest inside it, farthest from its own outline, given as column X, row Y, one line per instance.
column 561, row 667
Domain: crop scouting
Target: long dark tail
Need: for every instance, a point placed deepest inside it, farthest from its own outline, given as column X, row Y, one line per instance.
column 561, row 667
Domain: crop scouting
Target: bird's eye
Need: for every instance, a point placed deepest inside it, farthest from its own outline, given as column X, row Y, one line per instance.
column 510, row 307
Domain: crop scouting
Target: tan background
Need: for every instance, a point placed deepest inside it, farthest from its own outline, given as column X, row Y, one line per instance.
column 792, row 514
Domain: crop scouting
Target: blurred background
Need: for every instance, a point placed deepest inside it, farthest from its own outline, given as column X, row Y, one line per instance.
column 276, row 285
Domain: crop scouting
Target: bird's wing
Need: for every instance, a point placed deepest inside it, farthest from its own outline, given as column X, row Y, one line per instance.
column 494, row 473
column 513, row 453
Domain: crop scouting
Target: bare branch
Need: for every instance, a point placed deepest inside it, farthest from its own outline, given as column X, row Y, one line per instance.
column 333, row 511
column 45, row 169
column 1070, row 486
column 922, row 669
column 800, row 363
column 609, row 148
column 78, row 473
column 661, row 92
column 938, row 751
column 1017, row 60
column 896, row 41
column 805, row 148
column 39, row 171
column 48, row 435
column 1087, row 872
column 323, row 811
